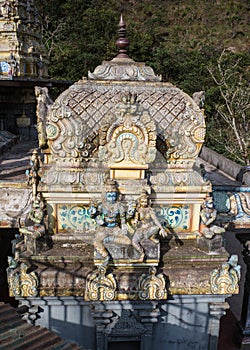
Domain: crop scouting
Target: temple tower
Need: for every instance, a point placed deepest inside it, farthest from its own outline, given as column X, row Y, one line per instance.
column 119, row 249
column 21, row 52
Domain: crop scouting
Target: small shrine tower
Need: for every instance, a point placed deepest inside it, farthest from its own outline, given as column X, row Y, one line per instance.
column 23, row 65
column 119, row 249
column 21, row 52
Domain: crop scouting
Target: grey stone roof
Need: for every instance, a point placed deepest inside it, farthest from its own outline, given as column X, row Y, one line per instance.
column 17, row 334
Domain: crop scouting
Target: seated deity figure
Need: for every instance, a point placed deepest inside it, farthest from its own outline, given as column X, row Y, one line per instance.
column 147, row 225
column 34, row 227
column 208, row 215
column 110, row 217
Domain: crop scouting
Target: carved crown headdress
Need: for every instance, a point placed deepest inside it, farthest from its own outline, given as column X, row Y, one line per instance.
column 110, row 186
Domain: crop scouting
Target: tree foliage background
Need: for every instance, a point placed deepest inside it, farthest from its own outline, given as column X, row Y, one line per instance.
column 181, row 39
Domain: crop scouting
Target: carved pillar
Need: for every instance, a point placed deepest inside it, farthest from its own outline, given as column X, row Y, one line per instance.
column 216, row 311
column 102, row 318
column 148, row 318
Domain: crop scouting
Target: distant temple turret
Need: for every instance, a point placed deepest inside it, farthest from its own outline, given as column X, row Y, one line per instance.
column 21, row 52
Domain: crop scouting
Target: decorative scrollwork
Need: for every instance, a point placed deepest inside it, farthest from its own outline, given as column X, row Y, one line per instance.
column 99, row 286
column 225, row 279
column 113, row 70
column 152, row 286
column 91, row 107
column 131, row 138
column 127, row 324
column 21, row 283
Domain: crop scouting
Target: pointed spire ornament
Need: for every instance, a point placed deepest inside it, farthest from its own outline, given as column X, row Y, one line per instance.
column 122, row 67
column 122, row 42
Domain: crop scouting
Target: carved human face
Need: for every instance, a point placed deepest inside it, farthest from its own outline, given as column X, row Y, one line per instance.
column 111, row 197
column 144, row 202
column 209, row 203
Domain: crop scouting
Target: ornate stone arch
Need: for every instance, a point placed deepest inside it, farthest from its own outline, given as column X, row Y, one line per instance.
column 128, row 139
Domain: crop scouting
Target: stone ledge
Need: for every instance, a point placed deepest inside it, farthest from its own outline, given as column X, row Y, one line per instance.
column 224, row 164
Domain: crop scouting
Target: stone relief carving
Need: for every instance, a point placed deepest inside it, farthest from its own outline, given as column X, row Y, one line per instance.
column 77, row 217
column 225, row 280
column 235, row 204
column 166, row 178
column 14, row 205
column 129, row 138
column 112, row 70
column 199, row 98
column 152, row 286
column 100, row 286
column 175, row 217
column 240, row 207
column 21, row 282
column 179, row 121
column 74, row 216
column 185, row 140
column 127, row 324
column 44, row 102
column 8, row 9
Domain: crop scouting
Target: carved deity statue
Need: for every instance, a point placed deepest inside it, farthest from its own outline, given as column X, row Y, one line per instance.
column 33, row 174
column 208, row 215
column 127, row 234
column 147, row 225
column 110, row 217
column 40, row 68
column 35, row 227
column 14, row 67
column 43, row 104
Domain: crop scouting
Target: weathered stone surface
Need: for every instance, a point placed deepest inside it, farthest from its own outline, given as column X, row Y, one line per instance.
column 14, row 205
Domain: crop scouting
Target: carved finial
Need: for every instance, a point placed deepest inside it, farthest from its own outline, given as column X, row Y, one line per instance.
column 122, row 42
